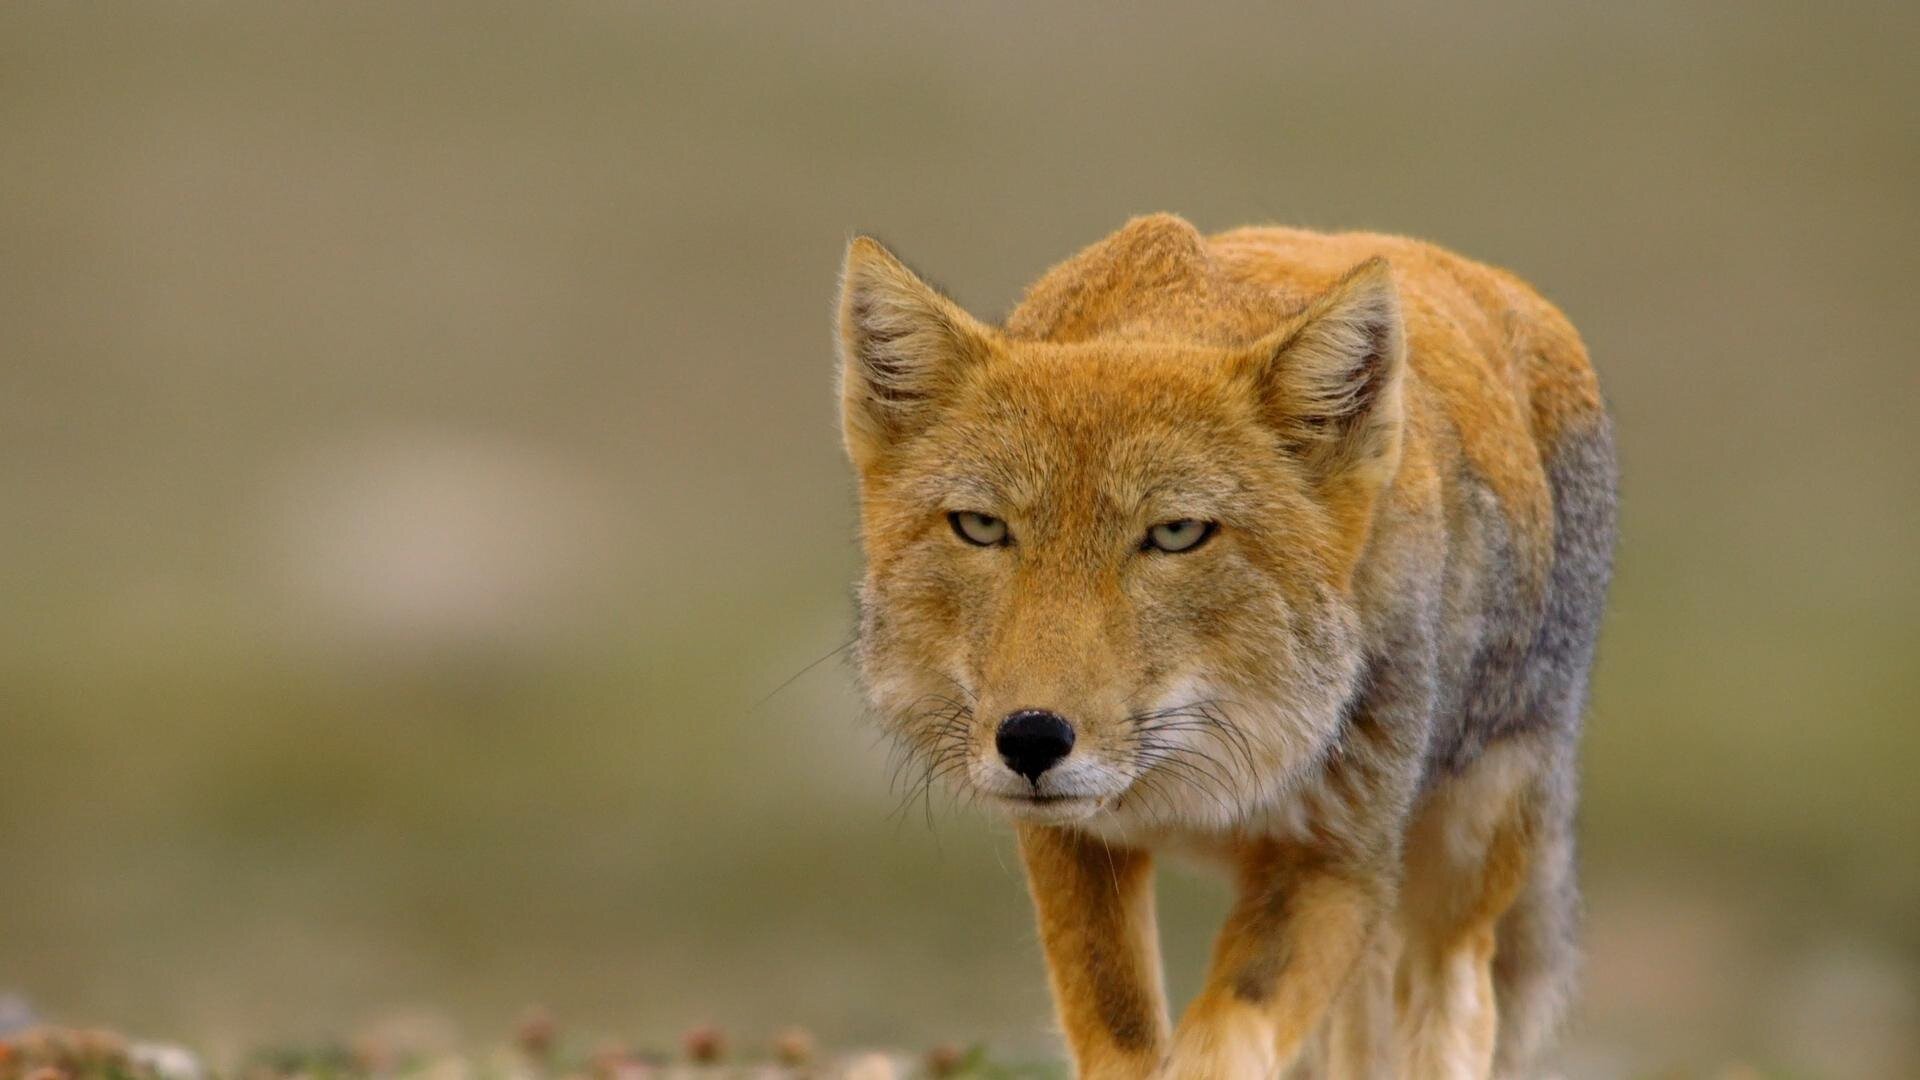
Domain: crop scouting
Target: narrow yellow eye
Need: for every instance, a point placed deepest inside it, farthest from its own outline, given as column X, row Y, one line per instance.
column 1174, row 537
column 980, row 529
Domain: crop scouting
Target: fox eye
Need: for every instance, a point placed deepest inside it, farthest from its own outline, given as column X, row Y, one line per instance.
column 982, row 530
column 1174, row 537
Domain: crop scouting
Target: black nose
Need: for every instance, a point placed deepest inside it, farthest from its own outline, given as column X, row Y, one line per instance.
column 1031, row 740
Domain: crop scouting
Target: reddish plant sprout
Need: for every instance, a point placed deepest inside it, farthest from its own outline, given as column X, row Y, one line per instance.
column 794, row 1046
column 535, row 1033
column 945, row 1060
column 704, row 1045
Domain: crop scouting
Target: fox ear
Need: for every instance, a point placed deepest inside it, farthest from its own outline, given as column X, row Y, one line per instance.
column 1330, row 382
column 903, row 346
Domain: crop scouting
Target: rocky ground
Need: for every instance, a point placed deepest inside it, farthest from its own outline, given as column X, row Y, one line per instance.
column 539, row 1048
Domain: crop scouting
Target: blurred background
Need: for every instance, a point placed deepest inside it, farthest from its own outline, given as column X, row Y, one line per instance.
column 419, row 465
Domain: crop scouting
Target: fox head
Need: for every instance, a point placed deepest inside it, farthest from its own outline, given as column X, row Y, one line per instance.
column 1113, row 576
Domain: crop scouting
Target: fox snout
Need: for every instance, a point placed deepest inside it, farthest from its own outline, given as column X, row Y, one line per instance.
column 1031, row 741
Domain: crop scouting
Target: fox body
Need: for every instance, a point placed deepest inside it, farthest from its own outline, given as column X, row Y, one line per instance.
column 1284, row 548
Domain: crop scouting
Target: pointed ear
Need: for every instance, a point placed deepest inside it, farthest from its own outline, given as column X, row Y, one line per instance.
column 1330, row 382
column 903, row 347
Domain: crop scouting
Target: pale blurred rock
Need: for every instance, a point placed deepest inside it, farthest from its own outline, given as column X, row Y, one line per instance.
column 167, row 1060
column 15, row 1014
column 871, row 1067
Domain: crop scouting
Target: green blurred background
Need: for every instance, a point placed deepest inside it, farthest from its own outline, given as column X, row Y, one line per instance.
column 418, row 457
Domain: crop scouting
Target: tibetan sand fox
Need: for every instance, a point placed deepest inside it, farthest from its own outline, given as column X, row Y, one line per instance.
column 1282, row 548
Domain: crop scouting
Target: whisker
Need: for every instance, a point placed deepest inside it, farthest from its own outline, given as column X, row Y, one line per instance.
column 930, row 736
column 1204, row 714
column 791, row 679
column 1196, row 778
column 1197, row 769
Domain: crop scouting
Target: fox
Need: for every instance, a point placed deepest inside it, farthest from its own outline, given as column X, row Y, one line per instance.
column 1280, row 550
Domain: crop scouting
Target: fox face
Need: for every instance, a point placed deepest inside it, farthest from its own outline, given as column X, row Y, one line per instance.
column 1111, row 579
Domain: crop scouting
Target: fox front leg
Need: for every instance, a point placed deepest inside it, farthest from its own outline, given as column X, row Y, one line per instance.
column 1095, row 909
column 1297, row 930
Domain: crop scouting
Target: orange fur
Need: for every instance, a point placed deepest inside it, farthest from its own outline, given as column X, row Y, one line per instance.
column 1359, row 692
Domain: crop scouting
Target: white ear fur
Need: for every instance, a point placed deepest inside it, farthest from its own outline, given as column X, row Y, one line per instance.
column 1331, row 381
column 903, row 346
